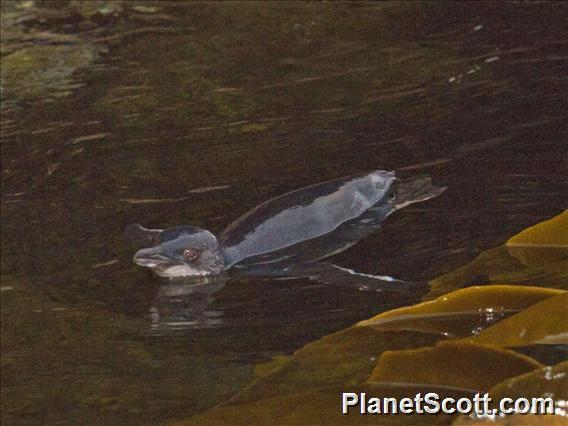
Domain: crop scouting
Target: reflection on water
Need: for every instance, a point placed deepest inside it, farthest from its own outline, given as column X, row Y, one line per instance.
column 193, row 113
column 184, row 304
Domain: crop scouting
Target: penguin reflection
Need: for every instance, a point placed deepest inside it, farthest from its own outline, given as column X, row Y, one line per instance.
column 182, row 304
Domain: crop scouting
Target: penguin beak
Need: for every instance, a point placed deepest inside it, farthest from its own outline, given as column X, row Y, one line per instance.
column 151, row 258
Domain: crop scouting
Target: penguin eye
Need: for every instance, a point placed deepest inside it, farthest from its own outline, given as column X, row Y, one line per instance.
column 392, row 197
column 191, row 254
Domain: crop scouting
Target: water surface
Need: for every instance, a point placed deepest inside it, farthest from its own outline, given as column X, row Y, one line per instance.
column 193, row 113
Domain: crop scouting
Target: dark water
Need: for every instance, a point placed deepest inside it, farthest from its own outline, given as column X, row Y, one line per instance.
column 193, row 113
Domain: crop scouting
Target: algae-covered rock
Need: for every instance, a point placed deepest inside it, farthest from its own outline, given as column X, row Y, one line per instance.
column 39, row 65
column 48, row 70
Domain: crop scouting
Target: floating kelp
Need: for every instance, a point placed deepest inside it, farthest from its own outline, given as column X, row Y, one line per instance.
column 537, row 256
column 322, row 406
column 269, row 367
column 463, row 312
column 514, row 420
column 455, row 364
column 544, row 322
column 305, row 387
column 544, row 244
column 545, row 382
column 344, row 358
column 549, row 382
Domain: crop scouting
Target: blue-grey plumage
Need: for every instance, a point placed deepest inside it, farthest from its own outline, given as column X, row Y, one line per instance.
column 304, row 225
